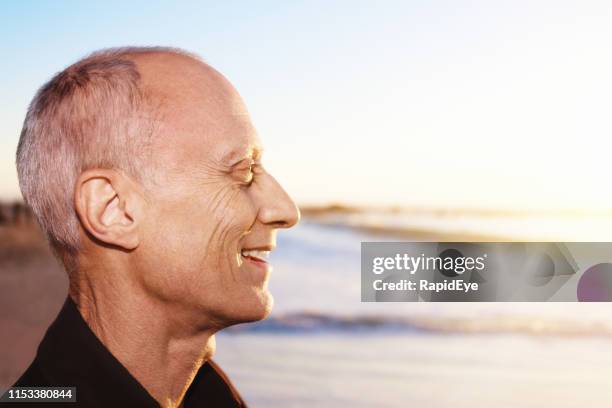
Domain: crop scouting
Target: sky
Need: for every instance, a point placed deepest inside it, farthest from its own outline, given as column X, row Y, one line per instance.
column 492, row 104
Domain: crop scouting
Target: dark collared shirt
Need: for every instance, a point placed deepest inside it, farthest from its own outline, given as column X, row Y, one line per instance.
column 70, row 355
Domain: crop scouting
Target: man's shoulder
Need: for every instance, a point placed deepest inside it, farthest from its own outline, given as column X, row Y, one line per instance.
column 32, row 377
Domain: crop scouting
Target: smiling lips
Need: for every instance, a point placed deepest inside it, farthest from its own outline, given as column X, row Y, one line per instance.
column 256, row 255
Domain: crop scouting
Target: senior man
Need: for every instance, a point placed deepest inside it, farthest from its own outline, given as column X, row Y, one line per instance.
column 144, row 170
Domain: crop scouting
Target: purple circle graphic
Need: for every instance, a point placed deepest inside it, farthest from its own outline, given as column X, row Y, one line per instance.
column 595, row 284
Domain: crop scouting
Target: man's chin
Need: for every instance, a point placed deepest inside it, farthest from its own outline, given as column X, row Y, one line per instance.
column 269, row 305
column 258, row 309
column 263, row 308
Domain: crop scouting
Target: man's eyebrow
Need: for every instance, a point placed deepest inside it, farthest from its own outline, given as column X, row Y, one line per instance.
column 256, row 152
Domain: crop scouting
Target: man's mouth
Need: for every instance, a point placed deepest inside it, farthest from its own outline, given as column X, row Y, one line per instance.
column 255, row 255
column 256, row 260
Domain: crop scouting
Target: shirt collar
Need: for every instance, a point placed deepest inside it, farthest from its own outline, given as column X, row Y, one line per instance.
column 71, row 355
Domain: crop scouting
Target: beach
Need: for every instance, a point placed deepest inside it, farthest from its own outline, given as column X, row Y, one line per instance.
column 323, row 347
column 446, row 354
column 403, row 370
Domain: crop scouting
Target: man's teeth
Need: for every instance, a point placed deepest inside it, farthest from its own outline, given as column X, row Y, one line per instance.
column 263, row 255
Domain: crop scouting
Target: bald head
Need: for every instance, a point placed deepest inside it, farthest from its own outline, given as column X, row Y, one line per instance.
column 194, row 105
column 102, row 112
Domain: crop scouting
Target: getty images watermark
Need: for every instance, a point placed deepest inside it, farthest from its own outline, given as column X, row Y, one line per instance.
column 485, row 272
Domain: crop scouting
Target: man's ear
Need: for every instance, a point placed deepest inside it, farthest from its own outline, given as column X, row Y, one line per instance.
column 110, row 207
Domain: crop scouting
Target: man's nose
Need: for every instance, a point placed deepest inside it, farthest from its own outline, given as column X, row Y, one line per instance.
column 277, row 208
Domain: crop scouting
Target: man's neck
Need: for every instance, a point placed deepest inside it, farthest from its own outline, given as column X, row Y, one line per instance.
column 161, row 351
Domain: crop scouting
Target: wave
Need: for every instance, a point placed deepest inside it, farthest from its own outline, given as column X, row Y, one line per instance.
column 464, row 225
column 313, row 322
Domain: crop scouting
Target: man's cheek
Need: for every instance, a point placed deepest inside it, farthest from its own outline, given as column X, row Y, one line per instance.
column 234, row 206
column 221, row 195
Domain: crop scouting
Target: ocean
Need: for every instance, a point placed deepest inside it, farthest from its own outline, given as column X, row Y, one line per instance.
column 409, row 370
column 322, row 347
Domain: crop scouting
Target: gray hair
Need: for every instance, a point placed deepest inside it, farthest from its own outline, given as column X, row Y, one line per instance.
column 93, row 114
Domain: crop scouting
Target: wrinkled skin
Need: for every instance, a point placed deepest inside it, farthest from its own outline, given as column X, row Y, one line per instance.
column 211, row 199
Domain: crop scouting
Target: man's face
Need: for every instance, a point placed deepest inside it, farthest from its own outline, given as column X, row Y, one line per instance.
column 213, row 210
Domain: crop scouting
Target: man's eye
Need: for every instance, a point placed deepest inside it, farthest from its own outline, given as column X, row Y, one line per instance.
column 250, row 175
column 247, row 172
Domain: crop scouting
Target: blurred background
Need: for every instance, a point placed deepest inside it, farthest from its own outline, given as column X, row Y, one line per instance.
column 411, row 120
